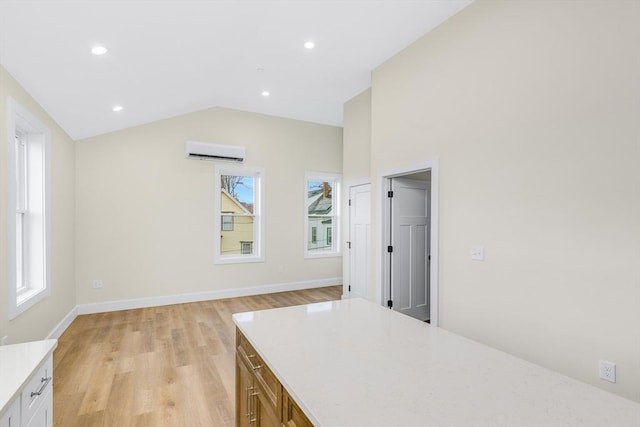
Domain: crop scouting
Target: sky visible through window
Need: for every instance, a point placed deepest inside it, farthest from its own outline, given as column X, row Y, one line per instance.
column 245, row 189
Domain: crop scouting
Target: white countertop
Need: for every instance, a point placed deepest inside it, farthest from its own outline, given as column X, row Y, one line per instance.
column 353, row 363
column 17, row 363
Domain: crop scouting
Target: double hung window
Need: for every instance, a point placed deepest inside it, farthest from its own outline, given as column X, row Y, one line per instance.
column 28, row 177
column 322, row 214
column 238, row 217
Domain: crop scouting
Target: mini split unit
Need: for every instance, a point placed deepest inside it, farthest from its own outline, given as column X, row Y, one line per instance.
column 209, row 151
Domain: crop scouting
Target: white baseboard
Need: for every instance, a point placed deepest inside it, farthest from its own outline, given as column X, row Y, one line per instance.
column 103, row 307
column 64, row 324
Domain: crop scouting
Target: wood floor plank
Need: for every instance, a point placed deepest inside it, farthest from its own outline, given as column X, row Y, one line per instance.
column 159, row 366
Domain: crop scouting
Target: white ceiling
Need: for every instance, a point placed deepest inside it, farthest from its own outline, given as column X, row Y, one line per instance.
column 176, row 56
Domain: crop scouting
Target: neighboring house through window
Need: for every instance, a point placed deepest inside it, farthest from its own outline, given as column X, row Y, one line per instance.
column 238, row 204
column 28, row 178
column 322, row 211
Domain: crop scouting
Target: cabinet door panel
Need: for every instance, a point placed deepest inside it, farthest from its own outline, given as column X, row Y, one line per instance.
column 43, row 416
column 292, row 415
column 244, row 387
column 11, row 418
column 266, row 415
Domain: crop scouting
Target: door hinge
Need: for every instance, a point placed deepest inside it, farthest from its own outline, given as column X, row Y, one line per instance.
column 349, row 202
column 389, row 303
column 429, row 258
column 349, row 288
column 389, row 193
column 389, row 249
column 349, row 244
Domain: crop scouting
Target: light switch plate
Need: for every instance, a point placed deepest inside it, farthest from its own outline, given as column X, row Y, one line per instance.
column 477, row 253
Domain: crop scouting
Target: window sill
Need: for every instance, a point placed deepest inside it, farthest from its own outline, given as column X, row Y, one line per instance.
column 238, row 260
column 26, row 300
column 332, row 254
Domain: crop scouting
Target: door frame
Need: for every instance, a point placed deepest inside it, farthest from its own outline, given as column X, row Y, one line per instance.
column 384, row 232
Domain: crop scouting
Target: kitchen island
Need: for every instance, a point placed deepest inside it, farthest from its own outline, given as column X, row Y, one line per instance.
column 353, row 363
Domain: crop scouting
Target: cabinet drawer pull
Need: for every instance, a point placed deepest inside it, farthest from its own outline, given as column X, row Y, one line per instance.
column 45, row 382
column 254, row 367
column 253, row 417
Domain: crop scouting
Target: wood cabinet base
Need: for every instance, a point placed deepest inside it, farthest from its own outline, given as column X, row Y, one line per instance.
column 261, row 401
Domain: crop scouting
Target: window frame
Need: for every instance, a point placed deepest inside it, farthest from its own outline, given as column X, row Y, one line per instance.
column 258, row 214
column 24, row 128
column 336, row 216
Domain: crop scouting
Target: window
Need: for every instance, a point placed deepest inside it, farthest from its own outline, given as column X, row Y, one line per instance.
column 247, row 248
column 29, row 204
column 238, row 204
column 227, row 221
column 322, row 211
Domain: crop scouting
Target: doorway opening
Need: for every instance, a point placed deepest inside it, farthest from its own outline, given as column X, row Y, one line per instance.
column 410, row 248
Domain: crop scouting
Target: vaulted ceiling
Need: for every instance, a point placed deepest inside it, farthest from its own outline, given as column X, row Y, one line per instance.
column 169, row 57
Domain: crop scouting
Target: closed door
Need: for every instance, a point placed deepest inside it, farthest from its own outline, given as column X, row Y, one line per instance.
column 359, row 240
column 410, row 242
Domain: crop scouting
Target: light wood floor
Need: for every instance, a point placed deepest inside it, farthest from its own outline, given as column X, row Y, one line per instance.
column 159, row 366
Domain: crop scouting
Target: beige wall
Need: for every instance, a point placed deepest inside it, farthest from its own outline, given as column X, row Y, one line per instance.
column 145, row 213
column 356, row 151
column 38, row 321
column 532, row 109
column 356, row 158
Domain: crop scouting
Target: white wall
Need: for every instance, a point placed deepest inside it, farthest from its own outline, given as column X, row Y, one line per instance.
column 532, row 109
column 38, row 321
column 145, row 213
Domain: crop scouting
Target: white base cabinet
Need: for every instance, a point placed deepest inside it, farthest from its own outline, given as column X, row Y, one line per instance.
column 26, row 389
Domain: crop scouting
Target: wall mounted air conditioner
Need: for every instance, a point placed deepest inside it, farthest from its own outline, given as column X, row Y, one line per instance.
column 210, row 151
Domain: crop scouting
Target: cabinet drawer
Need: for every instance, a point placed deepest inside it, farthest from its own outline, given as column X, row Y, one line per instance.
column 265, row 379
column 37, row 390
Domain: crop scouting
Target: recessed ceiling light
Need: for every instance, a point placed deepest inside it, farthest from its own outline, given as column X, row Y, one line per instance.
column 309, row 45
column 265, row 93
column 117, row 108
column 99, row 50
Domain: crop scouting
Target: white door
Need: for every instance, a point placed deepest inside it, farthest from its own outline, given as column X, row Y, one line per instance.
column 410, row 247
column 359, row 240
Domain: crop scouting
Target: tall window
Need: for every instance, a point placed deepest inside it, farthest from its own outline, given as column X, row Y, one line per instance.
column 28, row 201
column 322, row 215
column 238, row 217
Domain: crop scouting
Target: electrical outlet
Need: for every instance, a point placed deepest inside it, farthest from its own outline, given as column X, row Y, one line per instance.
column 607, row 371
column 477, row 253
column 4, row 340
column 97, row 284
